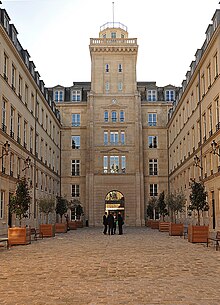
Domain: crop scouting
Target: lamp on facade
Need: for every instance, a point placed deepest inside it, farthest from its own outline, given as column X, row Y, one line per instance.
column 28, row 163
column 196, row 161
column 215, row 146
column 5, row 149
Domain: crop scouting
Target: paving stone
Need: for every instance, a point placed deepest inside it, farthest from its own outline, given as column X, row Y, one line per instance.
column 85, row 267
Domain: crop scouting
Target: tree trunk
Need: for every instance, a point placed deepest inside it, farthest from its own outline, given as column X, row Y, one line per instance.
column 61, row 218
column 46, row 218
column 198, row 217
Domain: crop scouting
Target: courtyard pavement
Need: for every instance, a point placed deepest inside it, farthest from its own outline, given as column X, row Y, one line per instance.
column 86, row 267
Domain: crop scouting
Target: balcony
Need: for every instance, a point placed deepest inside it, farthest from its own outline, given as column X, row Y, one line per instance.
column 18, row 140
column 3, row 170
column 5, row 77
column 4, row 127
column 113, row 42
column 210, row 133
column 11, row 173
column 218, row 126
column 75, row 195
column 25, row 145
column 12, row 134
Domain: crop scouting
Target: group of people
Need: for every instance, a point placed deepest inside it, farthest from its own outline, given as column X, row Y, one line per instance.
column 110, row 222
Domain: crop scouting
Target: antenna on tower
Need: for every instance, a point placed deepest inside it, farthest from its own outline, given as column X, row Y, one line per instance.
column 113, row 12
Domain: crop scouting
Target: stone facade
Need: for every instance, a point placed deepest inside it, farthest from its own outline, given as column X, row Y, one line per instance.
column 111, row 143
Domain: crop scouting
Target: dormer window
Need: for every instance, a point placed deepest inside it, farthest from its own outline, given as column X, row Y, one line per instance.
column 58, row 96
column 107, row 68
column 104, row 36
column 76, row 96
column 119, row 67
column 113, row 35
column 122, row 36
column 169, row 95
column 208, row 36
column 151, row 95
column 6, row 23
column 215, row 24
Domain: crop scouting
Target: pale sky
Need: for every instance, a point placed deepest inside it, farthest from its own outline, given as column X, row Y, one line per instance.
column 57, row 34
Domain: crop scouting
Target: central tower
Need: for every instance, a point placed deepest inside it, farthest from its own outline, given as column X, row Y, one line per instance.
column 115, row 158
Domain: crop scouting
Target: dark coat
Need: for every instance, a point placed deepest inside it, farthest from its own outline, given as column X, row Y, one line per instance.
column 110, row 220
column 105, row 222
column 120, row 220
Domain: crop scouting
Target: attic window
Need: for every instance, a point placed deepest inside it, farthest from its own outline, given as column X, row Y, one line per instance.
column 6, row 23
column 113, row 35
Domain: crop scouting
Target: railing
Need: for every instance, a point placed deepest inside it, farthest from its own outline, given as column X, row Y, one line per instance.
column 112, row 25
column 113, row 41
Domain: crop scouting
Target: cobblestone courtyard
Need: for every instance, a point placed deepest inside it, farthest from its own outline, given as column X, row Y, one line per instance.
column 82, row 267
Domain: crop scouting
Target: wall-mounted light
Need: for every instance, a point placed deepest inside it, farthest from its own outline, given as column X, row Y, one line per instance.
column 5, row 149
column 27, row 163
column 197, row 161
column 215, row 146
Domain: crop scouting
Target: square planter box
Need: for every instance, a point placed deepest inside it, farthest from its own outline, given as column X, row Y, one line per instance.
column 48, row 230
column 164, row 226
column 72, row 225
column 176, row 229
column 19, row 236
column 148, row 223
column 154, row 224
column 79, row 224
column 198, row 234
column 61, row 227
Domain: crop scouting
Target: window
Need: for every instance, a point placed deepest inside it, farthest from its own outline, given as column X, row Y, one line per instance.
column 204, row 126
column 19, row 130
column 119, row 67
column 152, row 119
column 105, row 164
column 122, row 116
column 114, row 116
column 31, row 139
column 4, row 128
column 209, row 75
column 113, row 35
column 106, row 116
column 210, row 121
column 75, row 190
column 122, row 137
column 151, row 95
column 20, row 86
column 216, row 65
column 169, row 95
column 153, row 167
column 32, row 103
column 75, row 142
column 152, row 141
column 26, row 95
column 123, row 164
column 76, row 96
column 153, row 190
column 11, row 164
column 75, row 119
column 217, row 115
column 120, row 86
column 12, row 122
column 203, row 84
column 2, row 199
column 13, row 77
column 114, row 164
column 75, row 167
column 105, row 137
column 25, row 134
column 42, row 117
column 58, row 96
column 5, row 67
column 37, row 144
column 107, row 86
column 114, row 137
column 107, row 68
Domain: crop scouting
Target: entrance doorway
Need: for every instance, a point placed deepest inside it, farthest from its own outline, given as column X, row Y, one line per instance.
column 115, row 202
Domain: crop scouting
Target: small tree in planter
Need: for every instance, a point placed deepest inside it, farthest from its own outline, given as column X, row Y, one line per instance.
column 47, row 206
column 77, row 210
column 152, row 212
column 176, row 203
column 161, row 205
column 19, row 205
column 198, row 203
column 61, row 207
column 198, row 199
column 20, row 202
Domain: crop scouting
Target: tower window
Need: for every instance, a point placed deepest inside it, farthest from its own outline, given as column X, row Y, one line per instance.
column 107, row 68
column 119, row 67
column 113, row 35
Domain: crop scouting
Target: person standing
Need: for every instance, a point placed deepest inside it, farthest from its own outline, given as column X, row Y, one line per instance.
column 110, row 219
column 115, row 221
column 120, row 223
column 105, row 222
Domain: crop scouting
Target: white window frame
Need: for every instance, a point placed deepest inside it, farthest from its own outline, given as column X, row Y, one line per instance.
column 76, row 118
column 152, row 119
column 2, row 203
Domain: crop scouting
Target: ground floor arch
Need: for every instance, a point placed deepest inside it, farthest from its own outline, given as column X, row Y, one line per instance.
column 115, row 202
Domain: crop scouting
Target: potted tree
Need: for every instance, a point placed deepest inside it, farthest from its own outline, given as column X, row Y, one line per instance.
column 77, row 212
column 46, row 206
column 61, row 209
column 162, row 209
column 198, row 233
column 175, row 203
column 19, row 205
column 152, row 212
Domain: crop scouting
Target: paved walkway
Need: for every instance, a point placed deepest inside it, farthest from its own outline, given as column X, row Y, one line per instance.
column 82, row 267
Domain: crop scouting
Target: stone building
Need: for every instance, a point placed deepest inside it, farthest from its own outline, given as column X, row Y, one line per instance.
column 111, row 143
